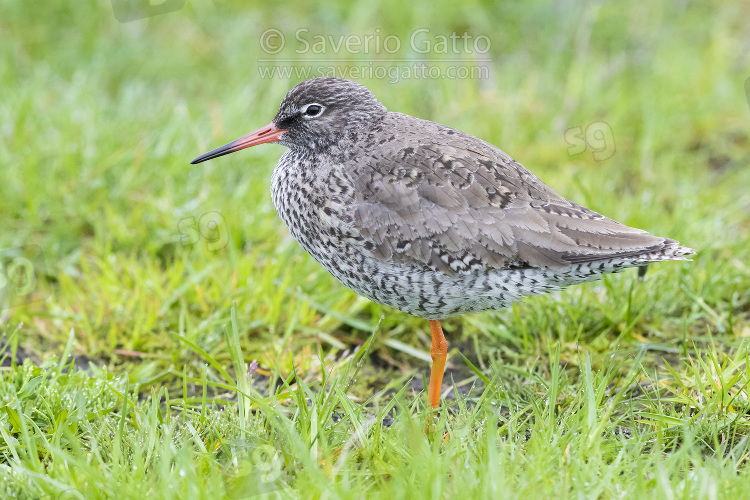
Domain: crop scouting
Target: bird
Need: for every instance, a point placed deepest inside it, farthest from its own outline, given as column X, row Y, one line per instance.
column 428, row 219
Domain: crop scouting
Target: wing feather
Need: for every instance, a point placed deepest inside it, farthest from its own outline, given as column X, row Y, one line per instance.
column 464, row 204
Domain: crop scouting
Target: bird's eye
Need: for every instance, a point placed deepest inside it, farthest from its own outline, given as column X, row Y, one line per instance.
column 313, row 110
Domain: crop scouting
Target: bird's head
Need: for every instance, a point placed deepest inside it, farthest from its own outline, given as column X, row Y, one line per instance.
column 314, row 115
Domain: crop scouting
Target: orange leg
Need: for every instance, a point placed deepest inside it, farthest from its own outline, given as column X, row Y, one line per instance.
column 439, row 352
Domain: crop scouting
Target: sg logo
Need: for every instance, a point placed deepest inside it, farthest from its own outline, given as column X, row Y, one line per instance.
column 23, row 274
column 260, row 476
column 598, row 136
column 210, row 227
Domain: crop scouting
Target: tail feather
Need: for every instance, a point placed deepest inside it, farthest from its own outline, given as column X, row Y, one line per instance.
column 594, row 269
column 668, row 249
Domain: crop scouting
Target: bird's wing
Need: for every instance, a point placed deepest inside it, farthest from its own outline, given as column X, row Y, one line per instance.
column 466, row 207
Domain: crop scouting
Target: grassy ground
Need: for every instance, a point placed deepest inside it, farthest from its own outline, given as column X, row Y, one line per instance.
column 154, row 284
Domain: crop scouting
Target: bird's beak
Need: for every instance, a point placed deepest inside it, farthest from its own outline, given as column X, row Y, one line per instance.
column 269, row 133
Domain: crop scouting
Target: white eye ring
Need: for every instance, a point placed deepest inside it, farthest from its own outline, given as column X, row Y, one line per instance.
column 307, row 107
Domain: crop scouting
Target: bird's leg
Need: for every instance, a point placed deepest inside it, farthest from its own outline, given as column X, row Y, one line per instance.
column 439, row 352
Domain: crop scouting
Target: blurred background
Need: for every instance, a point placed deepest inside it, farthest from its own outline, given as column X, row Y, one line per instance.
column 636, row 110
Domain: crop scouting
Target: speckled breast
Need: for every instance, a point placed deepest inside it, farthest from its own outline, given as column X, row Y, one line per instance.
column 314, row 201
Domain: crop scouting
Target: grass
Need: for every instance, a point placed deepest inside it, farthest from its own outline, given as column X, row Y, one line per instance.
column 127, row 368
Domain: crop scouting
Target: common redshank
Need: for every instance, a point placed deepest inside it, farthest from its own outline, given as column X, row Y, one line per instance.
column 428, row 219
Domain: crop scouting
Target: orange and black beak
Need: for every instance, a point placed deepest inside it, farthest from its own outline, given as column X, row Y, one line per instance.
column 269, row 133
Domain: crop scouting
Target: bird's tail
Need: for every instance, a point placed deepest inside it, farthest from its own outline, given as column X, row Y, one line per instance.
column 590, row 269
column 666, row 249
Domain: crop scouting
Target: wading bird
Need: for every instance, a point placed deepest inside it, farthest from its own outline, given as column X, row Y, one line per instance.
column 428, row 219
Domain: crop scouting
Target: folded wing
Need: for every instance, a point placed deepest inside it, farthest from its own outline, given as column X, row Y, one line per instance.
column 466, row 207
